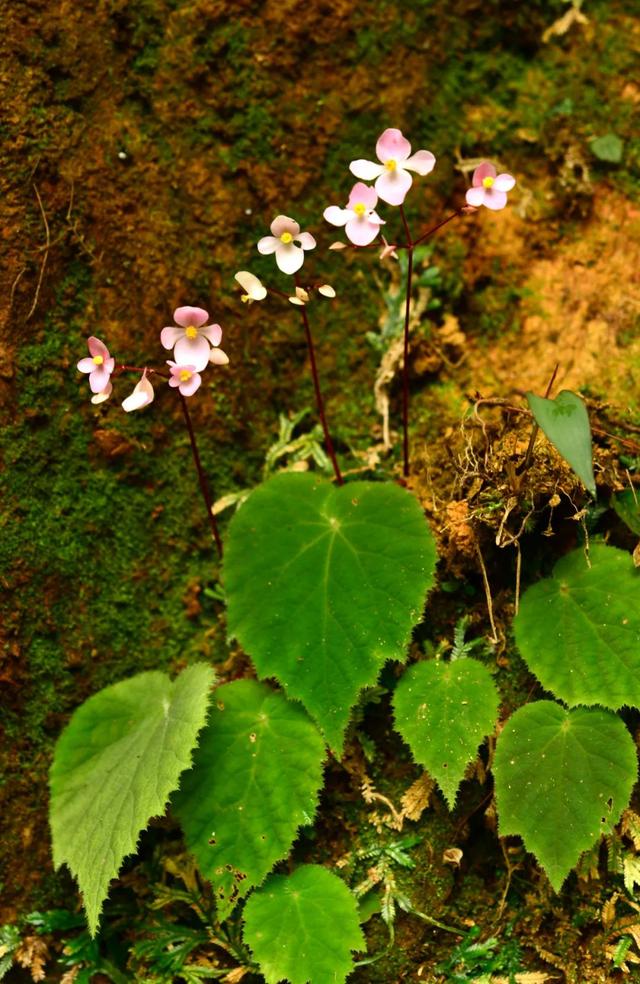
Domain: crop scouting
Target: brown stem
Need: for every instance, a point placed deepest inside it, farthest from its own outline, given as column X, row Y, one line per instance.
column 204, row 488
column 459, row 211
column 405, row 361
column 319, row 402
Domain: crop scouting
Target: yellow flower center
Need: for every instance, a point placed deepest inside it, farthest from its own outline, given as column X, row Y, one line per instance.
column 488, row 182
column 191, row 331
column 286, row 238
column 185, row 375
column 390, row 164
column 360, row 209
column 98, row 360
column 245, row 298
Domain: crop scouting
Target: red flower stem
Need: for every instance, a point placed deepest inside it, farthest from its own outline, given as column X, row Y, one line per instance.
column 204, row 488
column 319, row 402
column 147, row 369
column 405, row 361
column 430, row 232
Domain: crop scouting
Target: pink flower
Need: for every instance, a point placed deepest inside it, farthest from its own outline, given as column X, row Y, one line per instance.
column 141, row 397
column 393, row 178
column 184, row 377
column 489, row 188
column 362, row 223
column 190, row 339
column 102, row 395
column 285, row 233
column 99, row 366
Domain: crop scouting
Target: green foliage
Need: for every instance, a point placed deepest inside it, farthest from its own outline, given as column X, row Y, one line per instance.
column 10, row 939
column 444, row 711
column 563, row 778
column 324, row 585
column 565, row 422
column 608, row 148
column 578, row 630
column 303, row 927
column 255, row 780
column 627, row 508
column 115, row 766
column 475, row 960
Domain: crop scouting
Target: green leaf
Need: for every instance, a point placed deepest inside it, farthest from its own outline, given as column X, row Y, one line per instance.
column 579, row 631
column 255, row 780
column 115, row 766
column 608, row 148
column 565, row 422
column 628, row 509
column 303, row 927
column 562, row 779
column 444, row 711
column 324, row 585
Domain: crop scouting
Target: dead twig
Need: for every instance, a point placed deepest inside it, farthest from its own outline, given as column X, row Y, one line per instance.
column 45, row 255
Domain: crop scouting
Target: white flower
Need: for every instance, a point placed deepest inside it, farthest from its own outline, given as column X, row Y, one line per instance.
column 253, row 288
column 141, row 397
column 285, row 234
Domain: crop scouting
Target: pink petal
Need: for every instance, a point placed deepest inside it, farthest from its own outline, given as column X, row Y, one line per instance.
column 96, row 347
column 268, row 244
column 392, row 146
column 213, row 333
column 495, row 200
column 485, row 170
column 392, row 186
column 475, row 196
column 192, row 352
column 504, row 182
column 191, row 385
column 186, row 316
column 174, row 381
column 361, row 231
column 86, row 365
column 336, row 216
column 103, row 395
column 218, row 358
column 422, row 162
column 366, row 170
column 282, row 223
column 170, row 335
column 306, row 240
column 141, row 397
column 289, row 257
column 110, row 364
column 98, row 379
column 362, row 194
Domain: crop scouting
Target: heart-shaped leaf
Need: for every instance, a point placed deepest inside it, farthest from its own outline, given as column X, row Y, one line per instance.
column 324, row 585
column 562, row 779
column 579, row 631
column 303, row 927
column 627, row 507
column 255, row 780
column 565, row 421
column 444, row 711
column 115, row 766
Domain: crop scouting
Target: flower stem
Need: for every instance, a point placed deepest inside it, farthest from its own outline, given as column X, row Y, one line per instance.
column 319, row 402
column 204, row 488
column 405, row 361
column 459, row 211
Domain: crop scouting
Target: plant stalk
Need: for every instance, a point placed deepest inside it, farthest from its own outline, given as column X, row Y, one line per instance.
column 405, row 361
column 204, row 488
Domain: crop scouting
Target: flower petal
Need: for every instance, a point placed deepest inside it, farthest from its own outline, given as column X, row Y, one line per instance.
column 392, row 145
column 218, row 358
column 475, row 196
column 495, row 200
column 282, row 223
column 86, row 365
column 268, row 244
column 306, row 240
column 336, row 216
column 367, row 170
column 96, row 347
column 484, row 170
column 186, row 316
column 98, row 378
column 392, row 186
column 504, row 182
column 102, row 395
column 191, row 385
column 213, row 333
column 192, row 352
column 251, row 285
column 326, row 290
column 360, row 231
column 141, row 397
column 422, row 162
column 362, row 194
column 289, row 257
column 170, row 335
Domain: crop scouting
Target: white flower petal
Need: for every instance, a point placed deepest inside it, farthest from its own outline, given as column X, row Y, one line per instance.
column 366, row 170
column 289, row 257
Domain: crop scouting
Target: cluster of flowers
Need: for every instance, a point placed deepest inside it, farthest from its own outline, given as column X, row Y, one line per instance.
column 194, row 343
